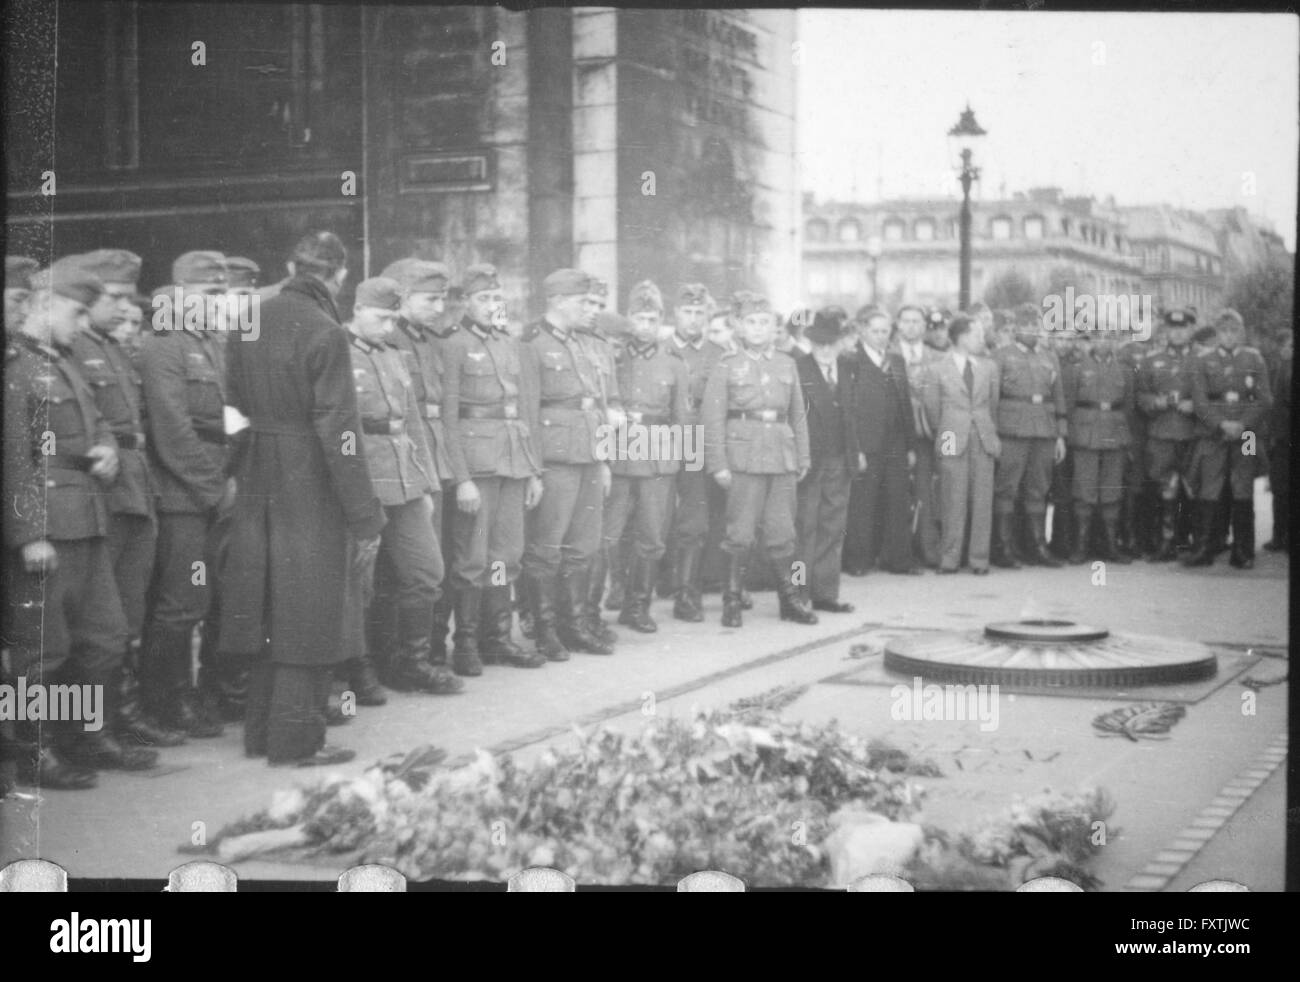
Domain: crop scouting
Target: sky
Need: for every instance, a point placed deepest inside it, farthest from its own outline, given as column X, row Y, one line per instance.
column 1195, row 110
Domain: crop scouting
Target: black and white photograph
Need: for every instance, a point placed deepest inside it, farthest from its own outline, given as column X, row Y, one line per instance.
column 676, row 447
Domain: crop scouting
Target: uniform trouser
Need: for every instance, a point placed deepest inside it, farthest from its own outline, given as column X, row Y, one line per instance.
column 1027, row 461
column 1060, row 495
column 966, row 493
column 410, row 547
column 488, row 545
column 641, row 504
column 760, row 499
column 879, row 524
column 285, row 714
column 132, row 542
column 68, row 622
column 181, row 592
column 1222, row 461
column 688, row 510
column 1167, row 464
column 926, row 495
column 564, row 529
column 1279, row 479
column 1098, row 476
column 821, row 511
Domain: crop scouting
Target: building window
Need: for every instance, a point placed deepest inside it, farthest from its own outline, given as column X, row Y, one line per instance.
column 817, row 230
column 1034, row 227
column 923, row 230
column 817, row 283
column 1065, row 227
column 893, row 230
column 850, row 230
column 1000, row 228
column 1119, row 244
column 950, row 229
column 850, row 281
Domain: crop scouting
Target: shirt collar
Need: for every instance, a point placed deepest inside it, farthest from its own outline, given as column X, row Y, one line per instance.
column 697, row 344
column 559, row 333
column 878, row 357
column 960, row 359
column 757, row 354
column 480, row 332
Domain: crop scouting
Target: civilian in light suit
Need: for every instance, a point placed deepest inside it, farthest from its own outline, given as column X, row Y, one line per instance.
column 960, row 396
column 918, row 356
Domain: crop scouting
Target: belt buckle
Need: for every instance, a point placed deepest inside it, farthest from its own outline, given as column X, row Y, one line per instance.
column 588, row 402
column 394, row 427
column 510, row 411
column 767, row 415
column 1036, row 399
column 432, row 411
column 1231, row 396
column 1104, row 406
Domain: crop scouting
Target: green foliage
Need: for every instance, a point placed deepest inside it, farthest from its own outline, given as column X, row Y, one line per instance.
column 1009, row 290
column 1264, row 297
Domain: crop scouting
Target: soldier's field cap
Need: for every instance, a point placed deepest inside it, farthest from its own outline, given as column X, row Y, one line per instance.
column 825, row 328
column 18, row 272
column 1227, row 314
column 599, row 287
column 111, row 265
column 611, row 324
column 1028, row 315
column 1203, row 335
column 241, row 271
column 868, row 311
column 379, row 291
column 419, row 275
column 935, row 320
column 645, row 298
column 199, row 269
column 566, row 282
column 1180, row 318
column 746, row 302
column 482, row 276
column 67, row 279
column 691, row 294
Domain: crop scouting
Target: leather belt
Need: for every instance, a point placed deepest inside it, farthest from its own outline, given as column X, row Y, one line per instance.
column 1232, row 396
column 432, row 410
column 1036, row 399
column 757, row 415
column 574, row 402
column 383, row 427
column 509, row 410
column 1103, row 406
column 71, row 462
column 130, row 441
column 648, row 419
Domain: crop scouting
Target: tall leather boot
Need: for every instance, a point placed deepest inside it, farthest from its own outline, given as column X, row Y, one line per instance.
column 42, row 764
column 746, row 601
column 618, row 563
column 1243, row 535
column 1130, row 516
column 641, row 584
column 1168, row 550
column 793, row 605
column 1038, row 531
column 598, row 571
column 101, row 749
column 363, row 680
column 465, row 659
column 1004, row 554
column 541, row 594
column 573, row 632
column 179, row 708
column 1111, row 552
column 409, row 668
column 441, row 628
column 1079, row 552
column 731, row 603
column 686, row 575
column 132, row 723
column 496, row 620
column 1202, row 553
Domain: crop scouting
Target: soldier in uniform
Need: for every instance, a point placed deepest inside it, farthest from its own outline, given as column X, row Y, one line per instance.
column 64, row 620
column 183, row 370
column 564, row 381
column 1139, row 511
column 1279, row 445
column 1099, row 400
column 756, row 448
column 1031, row 426
column 1070, row 348
column 917, row 356
column 654, row 389
column 720, row 332
column 494, row 464
column 402, row 473
column 18, row 286
column 690, row 508
column 1164, row 398
column 132, row 523
column 936, row 330
column 1232, row 399
column 420, row 335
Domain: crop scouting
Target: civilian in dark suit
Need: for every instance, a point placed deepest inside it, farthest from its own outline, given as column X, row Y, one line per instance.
column 881, row 412
column 822, row 509
column 1279, row 445
column 960, row 396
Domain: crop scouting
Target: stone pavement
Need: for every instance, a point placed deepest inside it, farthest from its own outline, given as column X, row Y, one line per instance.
column 133, row 823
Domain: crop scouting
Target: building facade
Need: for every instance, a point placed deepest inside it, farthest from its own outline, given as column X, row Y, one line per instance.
column 634, row 143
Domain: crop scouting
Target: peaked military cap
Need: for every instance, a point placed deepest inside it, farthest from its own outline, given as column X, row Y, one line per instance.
column 198, row 268
column 111, row 265
column 645, row 298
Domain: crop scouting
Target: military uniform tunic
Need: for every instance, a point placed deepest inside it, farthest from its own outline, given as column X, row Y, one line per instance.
column 1031, row 415
column 690, row 515
column 1229, row 385
column 756, row 427
column 1099, row 397
column 565, row 381
column 50, row 424
column 1164, row 379
column 489, row 441
column 132, row 534
column 653, row 385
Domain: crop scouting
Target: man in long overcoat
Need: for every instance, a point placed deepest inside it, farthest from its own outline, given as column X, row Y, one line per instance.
column 304, row 510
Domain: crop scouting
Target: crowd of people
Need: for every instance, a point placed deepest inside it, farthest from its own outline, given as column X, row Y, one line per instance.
column 316, row 505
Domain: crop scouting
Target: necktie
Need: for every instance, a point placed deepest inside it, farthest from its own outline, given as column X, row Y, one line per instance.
column 828, row 369
column 968, row 373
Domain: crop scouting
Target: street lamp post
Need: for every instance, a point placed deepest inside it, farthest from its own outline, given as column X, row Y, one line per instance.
column 963, row 138
column 874, row 248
